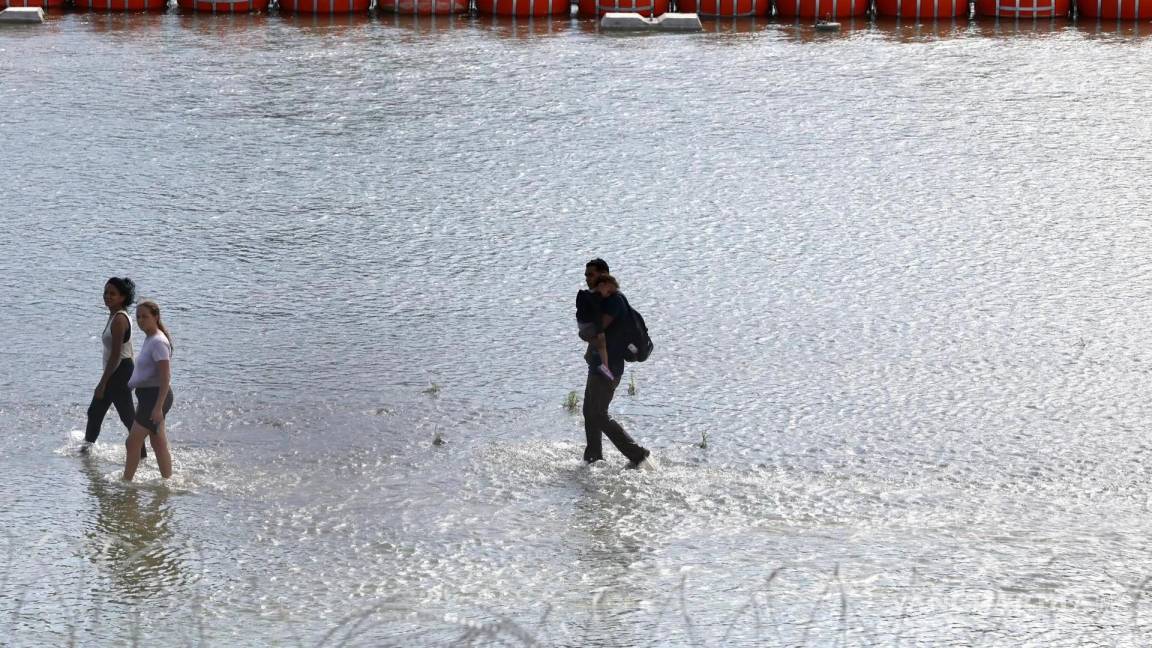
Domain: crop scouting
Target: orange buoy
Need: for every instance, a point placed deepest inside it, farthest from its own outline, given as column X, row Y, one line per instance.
column 122, row 5
column 922, row 8
column 1115, row 9
column 525, row 8
column 1023, row 8
column 422, row 7
column 727, row 8
column 223, row 6
column 45, row 4
column 597, row 8
column 325, row 6
column 821, row 8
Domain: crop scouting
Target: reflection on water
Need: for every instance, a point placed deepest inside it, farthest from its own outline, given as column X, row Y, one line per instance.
column 605, row 520
column 908, row 31
column 421, row 26
column 1007, row 27
column 126, row 25
column 512, row 27
column 1123, row 30
column 131, row 538
column 227, row 28
column 317, row 24
column 611, row 560
column 745, row 25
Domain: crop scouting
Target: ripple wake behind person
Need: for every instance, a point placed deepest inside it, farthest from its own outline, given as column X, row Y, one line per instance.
column 113, row 390
column 152, row 381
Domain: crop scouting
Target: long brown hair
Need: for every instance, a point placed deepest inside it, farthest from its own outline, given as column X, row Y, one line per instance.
column 154, row 308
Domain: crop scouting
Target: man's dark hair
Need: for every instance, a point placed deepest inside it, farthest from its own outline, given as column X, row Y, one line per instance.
column 600, row 264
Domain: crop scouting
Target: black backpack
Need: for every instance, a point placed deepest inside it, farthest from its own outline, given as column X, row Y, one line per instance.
column 635, row 334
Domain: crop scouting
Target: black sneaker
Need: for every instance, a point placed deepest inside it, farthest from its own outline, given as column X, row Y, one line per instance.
column 647, row 464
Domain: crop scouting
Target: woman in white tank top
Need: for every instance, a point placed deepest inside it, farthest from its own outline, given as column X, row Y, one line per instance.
column 112, row 390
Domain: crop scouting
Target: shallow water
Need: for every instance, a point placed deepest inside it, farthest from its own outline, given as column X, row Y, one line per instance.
column 896, row 275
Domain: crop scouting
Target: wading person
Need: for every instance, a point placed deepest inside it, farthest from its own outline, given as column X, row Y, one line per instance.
column 599, row 389
column 152, row 381
column 590, row 326
column 112, row 390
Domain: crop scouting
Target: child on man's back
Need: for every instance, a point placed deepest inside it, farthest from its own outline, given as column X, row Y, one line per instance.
column 590, row 320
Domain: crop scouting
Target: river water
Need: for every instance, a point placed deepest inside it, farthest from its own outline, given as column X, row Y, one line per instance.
column 898, row 280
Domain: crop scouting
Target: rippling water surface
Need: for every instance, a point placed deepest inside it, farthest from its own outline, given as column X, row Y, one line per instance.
column 897, row 276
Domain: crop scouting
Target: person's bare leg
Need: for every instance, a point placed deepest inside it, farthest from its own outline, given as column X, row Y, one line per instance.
column 602, row 349
column 133, row 446
column 160, row 449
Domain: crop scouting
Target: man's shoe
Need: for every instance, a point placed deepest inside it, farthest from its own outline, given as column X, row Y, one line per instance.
column 646, row 464
column 86, row 447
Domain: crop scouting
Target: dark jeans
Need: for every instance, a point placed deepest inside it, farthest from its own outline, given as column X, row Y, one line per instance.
column 116, row 393
column 598, row 395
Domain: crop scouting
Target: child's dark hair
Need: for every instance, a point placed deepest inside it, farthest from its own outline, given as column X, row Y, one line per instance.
column 600, row 264
column 126, row 287
column 608, row 279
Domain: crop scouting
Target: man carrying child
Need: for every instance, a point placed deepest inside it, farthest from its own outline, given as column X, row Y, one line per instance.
column 598, row 311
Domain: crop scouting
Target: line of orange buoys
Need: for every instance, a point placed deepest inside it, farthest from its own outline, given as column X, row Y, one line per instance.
column 917, row 9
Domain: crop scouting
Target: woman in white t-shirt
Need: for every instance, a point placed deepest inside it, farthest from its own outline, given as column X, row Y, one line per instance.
column 151, row 378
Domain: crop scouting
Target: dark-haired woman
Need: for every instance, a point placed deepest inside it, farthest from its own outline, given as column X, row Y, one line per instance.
column 112, row 390
column 152, row 380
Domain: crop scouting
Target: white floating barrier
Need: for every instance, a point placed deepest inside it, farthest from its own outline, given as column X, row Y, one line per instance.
column 622, row 21
column 22, row 16
column 627, row 21
column 678, row 22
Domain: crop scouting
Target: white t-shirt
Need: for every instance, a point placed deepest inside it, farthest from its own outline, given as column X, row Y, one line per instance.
column 155, row 349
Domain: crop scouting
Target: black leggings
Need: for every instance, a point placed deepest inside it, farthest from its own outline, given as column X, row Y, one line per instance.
column 116, row 393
